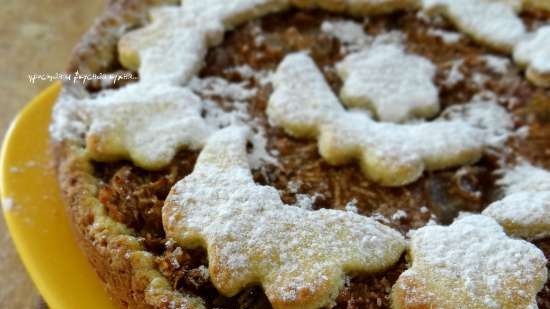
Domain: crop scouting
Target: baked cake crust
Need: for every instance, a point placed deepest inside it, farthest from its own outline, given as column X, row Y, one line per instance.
column 132, row 274
column 118, row 257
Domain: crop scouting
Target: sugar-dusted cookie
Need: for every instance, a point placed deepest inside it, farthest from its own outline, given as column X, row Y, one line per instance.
column 534, row 53
column 491, row 22
column 298, row 256
column 145, row 123
column 525, row 178
column 525, row 209
column 395, row 85
column 172, row 47
column 391, row 154
column 169, row 33
column 524, row 214
column 470, row 264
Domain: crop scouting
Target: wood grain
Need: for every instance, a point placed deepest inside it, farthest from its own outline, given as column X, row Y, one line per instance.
column 35, row 37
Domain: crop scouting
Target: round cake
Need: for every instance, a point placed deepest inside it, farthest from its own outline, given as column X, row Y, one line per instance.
column 297, row 154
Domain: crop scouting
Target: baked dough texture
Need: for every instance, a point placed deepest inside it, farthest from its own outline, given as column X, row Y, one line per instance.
column 524, row 211
column 298, row 256
column 470, row 264
column 390, row 154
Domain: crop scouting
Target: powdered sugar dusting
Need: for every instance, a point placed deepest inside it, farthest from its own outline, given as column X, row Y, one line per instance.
column 391, row 154
column 298, row 256
column 470, row 264
column 523, row 214
column 396, row 85
column 488, row 115
column 70, row 120
column 261, row 77
column 454, row 75
column 525, row 209
column 238, row 94
column 220, row 87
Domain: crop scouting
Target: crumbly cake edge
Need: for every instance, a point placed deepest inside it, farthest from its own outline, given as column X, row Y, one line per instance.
column 127, row 270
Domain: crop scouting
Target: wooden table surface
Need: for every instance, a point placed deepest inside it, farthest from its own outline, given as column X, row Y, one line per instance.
column 35, row 37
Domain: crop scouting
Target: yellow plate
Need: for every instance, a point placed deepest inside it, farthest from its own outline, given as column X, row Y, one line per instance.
column 36, row 217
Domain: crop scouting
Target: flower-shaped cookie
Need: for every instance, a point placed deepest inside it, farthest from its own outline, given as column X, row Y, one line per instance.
column 395, row 85
column 145, row 123
column 525, row 209
column 470, row 264
column 391, row 154
column 298, row 256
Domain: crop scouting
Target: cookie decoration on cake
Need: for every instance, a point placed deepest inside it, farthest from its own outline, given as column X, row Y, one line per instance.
column 395, row 85
column 469, row 264
column 491, row 22
column 525, row 209
column 296, row 111
column 298, row 256
column 390, row 154
column 145, row 123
